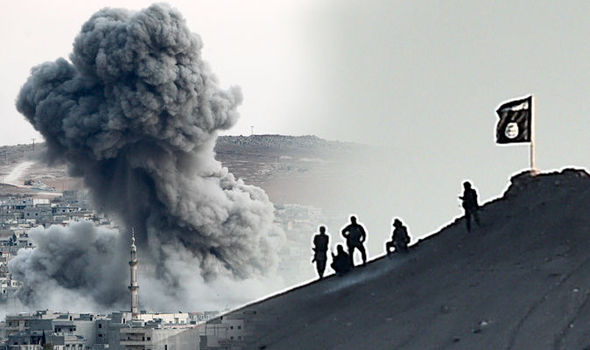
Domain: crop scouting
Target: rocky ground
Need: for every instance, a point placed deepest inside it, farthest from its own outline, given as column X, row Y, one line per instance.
column 518, row 282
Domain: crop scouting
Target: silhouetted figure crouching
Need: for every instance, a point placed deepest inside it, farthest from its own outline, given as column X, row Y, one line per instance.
column 320, row 248
column 399, row 238
column 469, row 204
column 355, row 236
column 341, row 261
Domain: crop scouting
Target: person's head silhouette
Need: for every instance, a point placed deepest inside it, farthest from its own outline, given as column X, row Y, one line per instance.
column 322, row 229
column 340, row 249
column 466, row 185
column 353, row 219
column 397, row 223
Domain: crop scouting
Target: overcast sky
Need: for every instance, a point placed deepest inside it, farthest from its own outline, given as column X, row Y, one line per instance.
column 421, row 78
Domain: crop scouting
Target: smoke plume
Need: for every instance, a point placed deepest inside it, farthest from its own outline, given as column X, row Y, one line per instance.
column 135, row 113
column 79, row 257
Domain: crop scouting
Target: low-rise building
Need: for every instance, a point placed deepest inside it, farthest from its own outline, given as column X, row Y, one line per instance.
column 167, row 319
column 139, row 335
column 116, row 331
column 222, row 333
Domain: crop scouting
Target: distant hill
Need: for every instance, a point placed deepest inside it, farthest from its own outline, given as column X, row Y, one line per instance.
column 283, row 144
column 263, row 144
column 291, row 169
column 521, row 281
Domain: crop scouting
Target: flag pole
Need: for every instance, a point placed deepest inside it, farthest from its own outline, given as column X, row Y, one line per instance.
column 532, row 145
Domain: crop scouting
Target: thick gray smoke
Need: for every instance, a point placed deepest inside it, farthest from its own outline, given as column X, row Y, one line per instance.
column 79, row 257
column 82, row 267
column 136, row 115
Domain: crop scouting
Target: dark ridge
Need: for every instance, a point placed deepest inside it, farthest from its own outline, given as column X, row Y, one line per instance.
column 518, row 282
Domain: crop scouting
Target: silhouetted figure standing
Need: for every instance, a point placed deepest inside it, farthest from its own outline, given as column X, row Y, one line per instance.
column 399, row 238
column 355, row 236
column 469, row 203
column 341, row 261
column 320, row 248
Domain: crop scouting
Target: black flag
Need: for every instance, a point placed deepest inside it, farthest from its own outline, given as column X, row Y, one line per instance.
column 515, row 121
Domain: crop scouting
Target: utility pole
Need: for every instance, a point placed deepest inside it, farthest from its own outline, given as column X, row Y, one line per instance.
column 33, row 144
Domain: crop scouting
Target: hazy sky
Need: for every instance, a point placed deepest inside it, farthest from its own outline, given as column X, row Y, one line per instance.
column 422, row 78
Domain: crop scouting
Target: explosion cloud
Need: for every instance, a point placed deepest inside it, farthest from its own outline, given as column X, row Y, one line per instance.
column 136, row 114
column 79, row 257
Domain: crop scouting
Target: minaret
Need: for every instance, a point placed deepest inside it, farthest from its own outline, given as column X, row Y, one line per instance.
column 133, row 286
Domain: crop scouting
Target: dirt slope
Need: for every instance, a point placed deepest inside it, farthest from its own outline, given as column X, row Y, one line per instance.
column 522, row 281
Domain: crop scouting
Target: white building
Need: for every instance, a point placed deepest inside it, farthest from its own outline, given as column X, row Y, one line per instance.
column 166, row 319
column 222, row 333
column 141, row 336
column 127, row 330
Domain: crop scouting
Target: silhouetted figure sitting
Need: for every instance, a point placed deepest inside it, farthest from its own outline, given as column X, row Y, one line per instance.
column 320, row 248
column 355, row 236
column 399, row 238
column 469, row 203
column 341, row 261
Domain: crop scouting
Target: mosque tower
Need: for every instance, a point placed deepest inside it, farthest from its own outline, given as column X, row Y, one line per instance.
column 133, row 286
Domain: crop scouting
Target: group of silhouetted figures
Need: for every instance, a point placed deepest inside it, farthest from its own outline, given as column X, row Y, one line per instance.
column 355, row 235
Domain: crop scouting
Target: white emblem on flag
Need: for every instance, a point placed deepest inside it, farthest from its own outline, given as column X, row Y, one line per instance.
column 511, row 130
column 520, row 107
